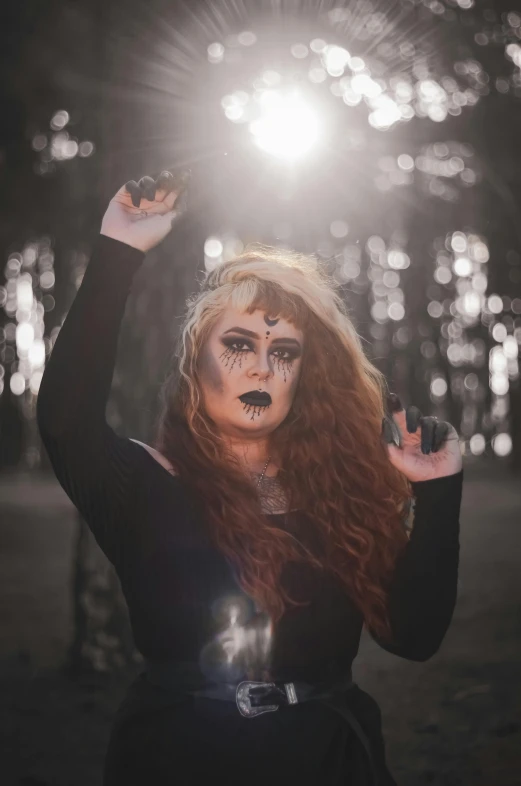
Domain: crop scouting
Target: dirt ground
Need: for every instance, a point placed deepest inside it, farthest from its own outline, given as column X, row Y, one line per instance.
column 454, row 720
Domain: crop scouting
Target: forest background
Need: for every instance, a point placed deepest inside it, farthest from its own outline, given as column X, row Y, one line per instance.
column 413, row 202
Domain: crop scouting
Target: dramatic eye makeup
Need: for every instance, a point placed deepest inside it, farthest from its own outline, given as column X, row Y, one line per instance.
column 290, row 346
column 236, row 348
column 237, row 344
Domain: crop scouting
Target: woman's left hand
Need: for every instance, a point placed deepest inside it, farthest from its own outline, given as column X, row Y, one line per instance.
column 429, row 448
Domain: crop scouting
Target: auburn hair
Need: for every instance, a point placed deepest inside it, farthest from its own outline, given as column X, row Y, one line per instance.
column 334, row 464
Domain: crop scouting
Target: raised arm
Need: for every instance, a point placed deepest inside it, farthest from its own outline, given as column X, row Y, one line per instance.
column 93, row 465
column 424, row 588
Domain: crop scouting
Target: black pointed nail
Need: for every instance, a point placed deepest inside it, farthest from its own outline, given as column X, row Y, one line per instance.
column 428, row 433
column 134, row 191
column 412, row 418
column 440, row 434
column 165, row 181
column 391, row 431
column 148, row 186
column 387, row 431
column 393, row 402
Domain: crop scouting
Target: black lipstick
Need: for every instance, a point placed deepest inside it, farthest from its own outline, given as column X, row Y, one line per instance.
column 256, row 398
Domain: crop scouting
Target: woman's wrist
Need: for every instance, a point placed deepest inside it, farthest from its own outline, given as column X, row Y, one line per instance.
column 121, row 238
column 115, row 249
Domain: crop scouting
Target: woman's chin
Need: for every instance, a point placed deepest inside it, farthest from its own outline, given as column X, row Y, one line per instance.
column 259, row 424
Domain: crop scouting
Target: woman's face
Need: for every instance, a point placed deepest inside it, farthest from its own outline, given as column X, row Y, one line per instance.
column 250, row 354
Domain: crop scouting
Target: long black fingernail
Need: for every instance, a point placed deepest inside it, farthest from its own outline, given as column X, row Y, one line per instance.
column 134, row 191
column 148, row 187
column 165, row 180
column 426, row 439
column 387, row 431
column 440, row 434
column 412, row 419
column 393, row 403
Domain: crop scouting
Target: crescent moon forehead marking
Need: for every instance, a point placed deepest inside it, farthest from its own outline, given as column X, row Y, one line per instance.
column 269, row 321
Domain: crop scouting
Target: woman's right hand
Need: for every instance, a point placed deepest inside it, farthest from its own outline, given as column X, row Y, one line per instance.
column 142, row 214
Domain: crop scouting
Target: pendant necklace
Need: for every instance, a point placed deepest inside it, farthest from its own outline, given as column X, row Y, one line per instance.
column 285, row 512
column 263, row 471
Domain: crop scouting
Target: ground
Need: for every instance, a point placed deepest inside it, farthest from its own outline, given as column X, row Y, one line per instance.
column 455, row 719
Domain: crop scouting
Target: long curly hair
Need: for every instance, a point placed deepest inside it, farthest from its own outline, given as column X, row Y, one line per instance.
column 334, row 465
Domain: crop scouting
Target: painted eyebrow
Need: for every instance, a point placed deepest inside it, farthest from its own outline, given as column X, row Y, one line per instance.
column 251, row 334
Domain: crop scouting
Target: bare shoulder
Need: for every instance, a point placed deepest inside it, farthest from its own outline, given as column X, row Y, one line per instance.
column 158, row 457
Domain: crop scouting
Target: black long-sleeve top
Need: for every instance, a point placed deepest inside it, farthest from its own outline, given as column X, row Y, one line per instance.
column 179, row 589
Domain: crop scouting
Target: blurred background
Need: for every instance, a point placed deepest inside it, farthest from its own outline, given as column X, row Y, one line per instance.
column 382, row 136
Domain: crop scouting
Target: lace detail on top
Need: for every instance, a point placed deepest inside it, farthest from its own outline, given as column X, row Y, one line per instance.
column 273, row 497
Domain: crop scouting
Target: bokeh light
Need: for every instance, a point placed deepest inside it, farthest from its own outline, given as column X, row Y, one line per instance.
column 340, row 87
column 287, row 126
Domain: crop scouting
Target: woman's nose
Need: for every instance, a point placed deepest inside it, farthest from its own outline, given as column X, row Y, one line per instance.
column 261, row 365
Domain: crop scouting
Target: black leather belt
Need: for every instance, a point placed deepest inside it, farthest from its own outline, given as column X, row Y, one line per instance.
column 255, row 698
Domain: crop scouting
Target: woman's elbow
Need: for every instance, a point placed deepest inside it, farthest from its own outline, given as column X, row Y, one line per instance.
column 414, row 646
column 421, row 654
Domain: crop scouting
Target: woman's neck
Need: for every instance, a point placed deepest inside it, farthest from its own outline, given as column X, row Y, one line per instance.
column 253, row 456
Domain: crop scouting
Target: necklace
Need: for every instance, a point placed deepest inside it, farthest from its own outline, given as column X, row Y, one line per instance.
column 276, row 499
column 263, row 471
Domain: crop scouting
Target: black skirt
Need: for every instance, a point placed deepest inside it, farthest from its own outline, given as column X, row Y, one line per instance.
column 161, row 738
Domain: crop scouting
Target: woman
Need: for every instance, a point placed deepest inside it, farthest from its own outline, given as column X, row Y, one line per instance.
column 264, row 528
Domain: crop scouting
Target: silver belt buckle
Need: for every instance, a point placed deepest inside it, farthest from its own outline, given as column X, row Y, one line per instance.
column 242, row 698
